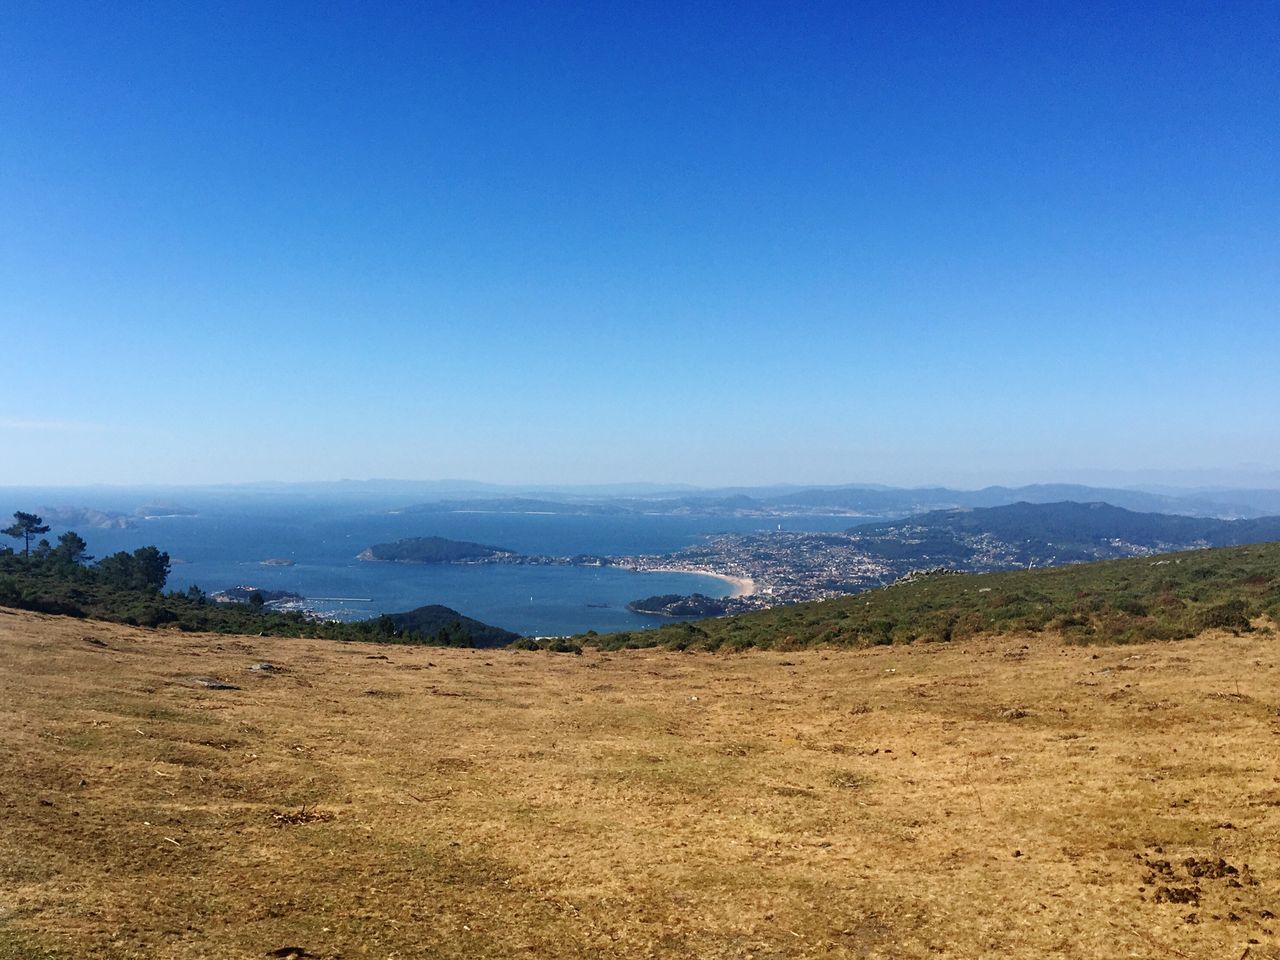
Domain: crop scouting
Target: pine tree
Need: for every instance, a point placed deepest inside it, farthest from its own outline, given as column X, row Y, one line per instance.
column 25, row 527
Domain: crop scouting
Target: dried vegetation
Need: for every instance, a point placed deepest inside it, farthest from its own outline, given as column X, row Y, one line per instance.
column 1012, row 797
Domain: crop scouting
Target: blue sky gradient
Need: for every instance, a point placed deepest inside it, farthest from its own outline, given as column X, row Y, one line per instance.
column 581, row 243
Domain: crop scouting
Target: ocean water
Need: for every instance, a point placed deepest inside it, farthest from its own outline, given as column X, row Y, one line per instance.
column 224, row 544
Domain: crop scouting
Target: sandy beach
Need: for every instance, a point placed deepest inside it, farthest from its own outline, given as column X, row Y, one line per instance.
column 741, row 586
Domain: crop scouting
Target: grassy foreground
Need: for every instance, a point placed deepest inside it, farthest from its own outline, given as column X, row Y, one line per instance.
column 1010, row 796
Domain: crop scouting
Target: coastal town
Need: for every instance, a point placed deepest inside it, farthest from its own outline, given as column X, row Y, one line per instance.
column 770, row 569
column 773, row 568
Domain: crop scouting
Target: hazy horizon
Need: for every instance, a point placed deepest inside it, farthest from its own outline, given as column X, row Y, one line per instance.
column 1152, row 481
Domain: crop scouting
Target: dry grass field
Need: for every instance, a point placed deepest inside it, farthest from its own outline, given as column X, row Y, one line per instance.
column 1010, row 798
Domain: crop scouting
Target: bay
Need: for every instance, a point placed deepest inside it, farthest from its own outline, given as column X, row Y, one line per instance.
column 225, row 543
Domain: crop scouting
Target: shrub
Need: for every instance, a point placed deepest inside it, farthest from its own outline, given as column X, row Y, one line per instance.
column 1126, row 603
column 1230, row 615
column 562, row 645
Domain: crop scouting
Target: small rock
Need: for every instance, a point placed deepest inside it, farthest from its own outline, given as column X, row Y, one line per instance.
column 1177, row 895
column 266, row 667
column 213, row 683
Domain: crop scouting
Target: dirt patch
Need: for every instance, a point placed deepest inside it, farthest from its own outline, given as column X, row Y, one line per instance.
column 291, row 818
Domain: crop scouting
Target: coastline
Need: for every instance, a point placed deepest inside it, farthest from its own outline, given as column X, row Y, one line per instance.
column 742, row 586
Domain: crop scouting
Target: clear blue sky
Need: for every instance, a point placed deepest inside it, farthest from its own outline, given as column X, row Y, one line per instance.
column 713, row 243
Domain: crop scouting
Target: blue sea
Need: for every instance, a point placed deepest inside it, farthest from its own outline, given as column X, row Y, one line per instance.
column 224, row 543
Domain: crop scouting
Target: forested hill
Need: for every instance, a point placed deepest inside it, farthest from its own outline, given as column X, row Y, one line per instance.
column 1068, row 532
column 436, row 621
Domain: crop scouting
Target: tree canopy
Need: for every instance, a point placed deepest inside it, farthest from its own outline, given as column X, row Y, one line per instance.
column 145, row 569
column 26, row 526
column 71, row 548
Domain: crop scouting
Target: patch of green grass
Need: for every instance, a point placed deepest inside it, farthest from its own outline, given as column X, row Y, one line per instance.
column 15, row 945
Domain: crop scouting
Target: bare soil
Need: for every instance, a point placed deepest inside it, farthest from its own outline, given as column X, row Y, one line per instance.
column 1012, row 798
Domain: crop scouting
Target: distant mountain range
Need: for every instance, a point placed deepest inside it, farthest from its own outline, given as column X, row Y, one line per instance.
column 1225, row 504
column 111, row 504
column 864, row 501
column 1052, row 533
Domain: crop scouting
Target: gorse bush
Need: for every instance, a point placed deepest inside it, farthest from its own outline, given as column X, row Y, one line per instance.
column 1228, row 615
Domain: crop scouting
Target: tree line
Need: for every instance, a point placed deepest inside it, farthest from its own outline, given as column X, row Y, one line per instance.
column 146, row 568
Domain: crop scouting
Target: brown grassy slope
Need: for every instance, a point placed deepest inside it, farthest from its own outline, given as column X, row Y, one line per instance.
column 1008, row 798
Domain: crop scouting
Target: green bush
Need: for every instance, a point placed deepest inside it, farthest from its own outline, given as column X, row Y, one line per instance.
column 1231, row 615
column 562, row 645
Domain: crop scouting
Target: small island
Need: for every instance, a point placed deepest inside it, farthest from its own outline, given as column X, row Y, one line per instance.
column 243, row 593
column 86, row 517
column 676, row 605
column 159, row 510
column 276, row 562
column 435, row 550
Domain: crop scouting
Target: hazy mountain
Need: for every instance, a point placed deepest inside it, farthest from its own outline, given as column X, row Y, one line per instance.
column 1053, row 533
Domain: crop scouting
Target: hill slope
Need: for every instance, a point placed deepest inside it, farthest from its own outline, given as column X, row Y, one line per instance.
column 1018, row 799
column 1163, row 597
